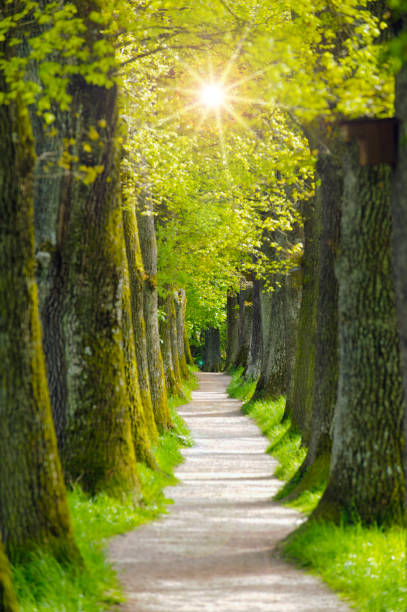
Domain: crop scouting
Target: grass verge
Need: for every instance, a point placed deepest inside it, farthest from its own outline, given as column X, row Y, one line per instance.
column 367, row 565
column 42, row 584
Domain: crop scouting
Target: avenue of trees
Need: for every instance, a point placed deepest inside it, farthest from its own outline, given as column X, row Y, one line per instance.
column 133, row 219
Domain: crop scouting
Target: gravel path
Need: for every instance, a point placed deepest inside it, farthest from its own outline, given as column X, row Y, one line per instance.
column 214, row 551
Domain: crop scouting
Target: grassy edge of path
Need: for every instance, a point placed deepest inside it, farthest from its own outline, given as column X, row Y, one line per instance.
column 43, row 584
column 365, row 565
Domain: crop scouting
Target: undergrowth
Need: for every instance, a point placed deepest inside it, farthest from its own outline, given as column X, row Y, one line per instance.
column 367, row 565
column 43, row 584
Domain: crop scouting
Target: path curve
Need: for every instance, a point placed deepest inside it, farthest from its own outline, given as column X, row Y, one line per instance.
column 213, row 552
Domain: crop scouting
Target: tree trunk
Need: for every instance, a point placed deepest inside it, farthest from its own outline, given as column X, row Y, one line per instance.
column 211, row 353
column 187, row 348
column 180, row 309
column 300, row 396
column 173, row 385
column 136, row 277
column 232, row 334
column 8, row 600
column 172, row 322
column 148, row 245
column 399, row 223
column 253, row 369
column 33, row 505
column 245, row 326
column 315, row 468
column 366, row 479
column 97, row 447
column 281, row 306
column 140, row 429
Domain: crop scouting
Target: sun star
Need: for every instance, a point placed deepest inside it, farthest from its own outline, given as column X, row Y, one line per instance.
column 212, row 95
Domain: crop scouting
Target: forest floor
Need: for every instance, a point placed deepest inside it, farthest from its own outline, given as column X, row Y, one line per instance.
column 215, row 551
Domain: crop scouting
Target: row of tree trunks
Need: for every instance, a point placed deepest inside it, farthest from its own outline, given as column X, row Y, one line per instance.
column 346, row 399
column 175, row 347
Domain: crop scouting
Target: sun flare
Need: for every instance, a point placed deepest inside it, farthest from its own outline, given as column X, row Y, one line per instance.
column 212, row 95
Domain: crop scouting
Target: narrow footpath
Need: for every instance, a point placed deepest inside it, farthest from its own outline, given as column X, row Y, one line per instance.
column 213, row 552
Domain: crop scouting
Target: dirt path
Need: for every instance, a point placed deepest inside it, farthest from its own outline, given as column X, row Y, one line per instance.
column 213, row 551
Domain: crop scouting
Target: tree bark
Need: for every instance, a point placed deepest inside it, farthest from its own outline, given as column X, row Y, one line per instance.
column 279, row 333
column 232, row 334
column 172, row 322
column 8, row 600
column 253, row 369
column 211, row 353
column 180, row 309
column 148, row 245
column 33, row 505
column 366, row 479
column 188, row 354
column 315, row 468
column 140, row 429
column 399, row 243
column 136, row 277
column 300, row 396
column 244, row 326
column 173, row 384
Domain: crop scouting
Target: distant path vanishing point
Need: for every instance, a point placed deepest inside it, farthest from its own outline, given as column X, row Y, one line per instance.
column 213, row 552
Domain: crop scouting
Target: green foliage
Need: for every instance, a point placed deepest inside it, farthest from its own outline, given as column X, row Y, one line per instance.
column 367, row 565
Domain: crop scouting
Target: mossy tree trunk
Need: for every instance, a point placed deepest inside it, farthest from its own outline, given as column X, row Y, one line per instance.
column 136, row 278
column 245, row 324
column 145, row 219
column 232, row 332
column 172, row 322
column 180, row 309
column 188, row 355
column 366, row 478
column 97, row 445
column 8, row 600
column 211, row 352
column 255, row 356
column 300, row 395
column 173, row 384
column 280, row 307
column 33, row 504
column 399, row 224
column 315, row 468
column 140, row 428
column 82, row 290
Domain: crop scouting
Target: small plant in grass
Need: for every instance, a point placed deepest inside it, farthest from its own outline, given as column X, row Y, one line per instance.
column 44, row 585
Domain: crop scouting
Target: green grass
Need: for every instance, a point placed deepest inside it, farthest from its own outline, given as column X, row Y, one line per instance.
column 367, row 565
column 42, row 584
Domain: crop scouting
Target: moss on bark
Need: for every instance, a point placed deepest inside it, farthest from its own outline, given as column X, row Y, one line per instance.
column 136, row 279
column 8, row 600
